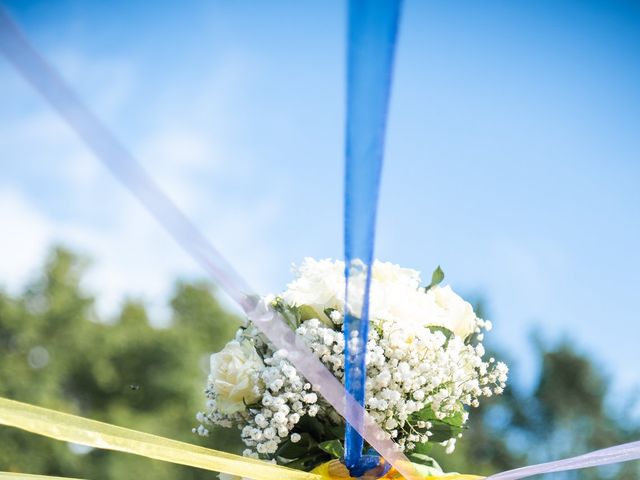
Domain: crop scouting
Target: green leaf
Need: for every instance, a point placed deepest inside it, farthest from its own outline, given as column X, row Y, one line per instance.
column 436, row 278
column 333, row 447
column 423, row 459
column 252, row 406
column 290, row 314
column 307, row 312
column 445, row 331
column 426, row 414
column 446, row 428
column 335, row 430
column 310, row 461
column 291, row 450
column 441, row 429
column 455, row 420
column 328, row 312
column 313, row 427
column 423, row 448
column 426, row 466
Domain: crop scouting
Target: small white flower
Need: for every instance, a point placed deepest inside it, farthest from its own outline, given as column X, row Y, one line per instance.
column 310, row 398
column 336, row 317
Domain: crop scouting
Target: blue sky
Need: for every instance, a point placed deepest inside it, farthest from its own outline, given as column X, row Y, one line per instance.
column 512, row 155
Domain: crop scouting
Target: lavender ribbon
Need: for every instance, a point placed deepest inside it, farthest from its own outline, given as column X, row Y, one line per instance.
column 103, row 143
column 617, row 454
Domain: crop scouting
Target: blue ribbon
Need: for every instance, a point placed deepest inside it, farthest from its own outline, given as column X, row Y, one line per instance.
column 373, row 26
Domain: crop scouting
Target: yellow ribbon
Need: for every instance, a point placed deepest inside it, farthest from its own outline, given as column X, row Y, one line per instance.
column 334, row 470
column 27, row 476
column 70, row 428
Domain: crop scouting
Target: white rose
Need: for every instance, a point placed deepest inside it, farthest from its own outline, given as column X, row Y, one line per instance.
column 319, row 284
column 233, row 375
column 457, row 314
column 392, row 290
column 387, row 273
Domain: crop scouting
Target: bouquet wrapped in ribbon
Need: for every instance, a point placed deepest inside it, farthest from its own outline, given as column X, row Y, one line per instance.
column 424, row 357
column 417, row 366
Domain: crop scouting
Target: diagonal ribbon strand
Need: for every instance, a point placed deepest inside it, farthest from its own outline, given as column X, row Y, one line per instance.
column 620, row 453
column 70, row 428
column 29, row 476
column 103, row 143
column 98, row 138
column 372, row 33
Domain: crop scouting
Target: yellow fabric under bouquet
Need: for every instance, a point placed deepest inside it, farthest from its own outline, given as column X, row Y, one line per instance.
column 335, row 470
column 74, row 429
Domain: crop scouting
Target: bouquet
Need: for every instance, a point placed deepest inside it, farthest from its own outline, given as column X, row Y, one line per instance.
column 425, row 368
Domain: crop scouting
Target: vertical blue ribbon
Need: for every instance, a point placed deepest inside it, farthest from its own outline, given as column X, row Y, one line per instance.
column 372, row 31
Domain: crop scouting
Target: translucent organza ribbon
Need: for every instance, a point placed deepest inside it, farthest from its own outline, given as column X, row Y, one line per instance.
column 372, row 32
column 70, row 428
column 103, row 143
column 61, row 426
column 606, row 456
column 27, row 476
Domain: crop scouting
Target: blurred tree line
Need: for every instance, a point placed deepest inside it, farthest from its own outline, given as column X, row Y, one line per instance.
column 56, row 353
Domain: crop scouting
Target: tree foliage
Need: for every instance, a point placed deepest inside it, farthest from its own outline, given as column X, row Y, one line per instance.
column 568, row 412
column 56, row 352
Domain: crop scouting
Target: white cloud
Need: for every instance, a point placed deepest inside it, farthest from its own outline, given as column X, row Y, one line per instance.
column 24, row 239
column 132, row 254
column 105, row 83
column 175, row 157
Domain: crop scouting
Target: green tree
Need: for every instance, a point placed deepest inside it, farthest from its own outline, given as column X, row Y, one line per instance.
column 568, row 412
column 56, row 353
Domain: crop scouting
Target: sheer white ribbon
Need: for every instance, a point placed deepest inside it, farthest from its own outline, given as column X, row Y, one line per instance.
column 617, row 454
column 119, row 160
column 103, row 143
